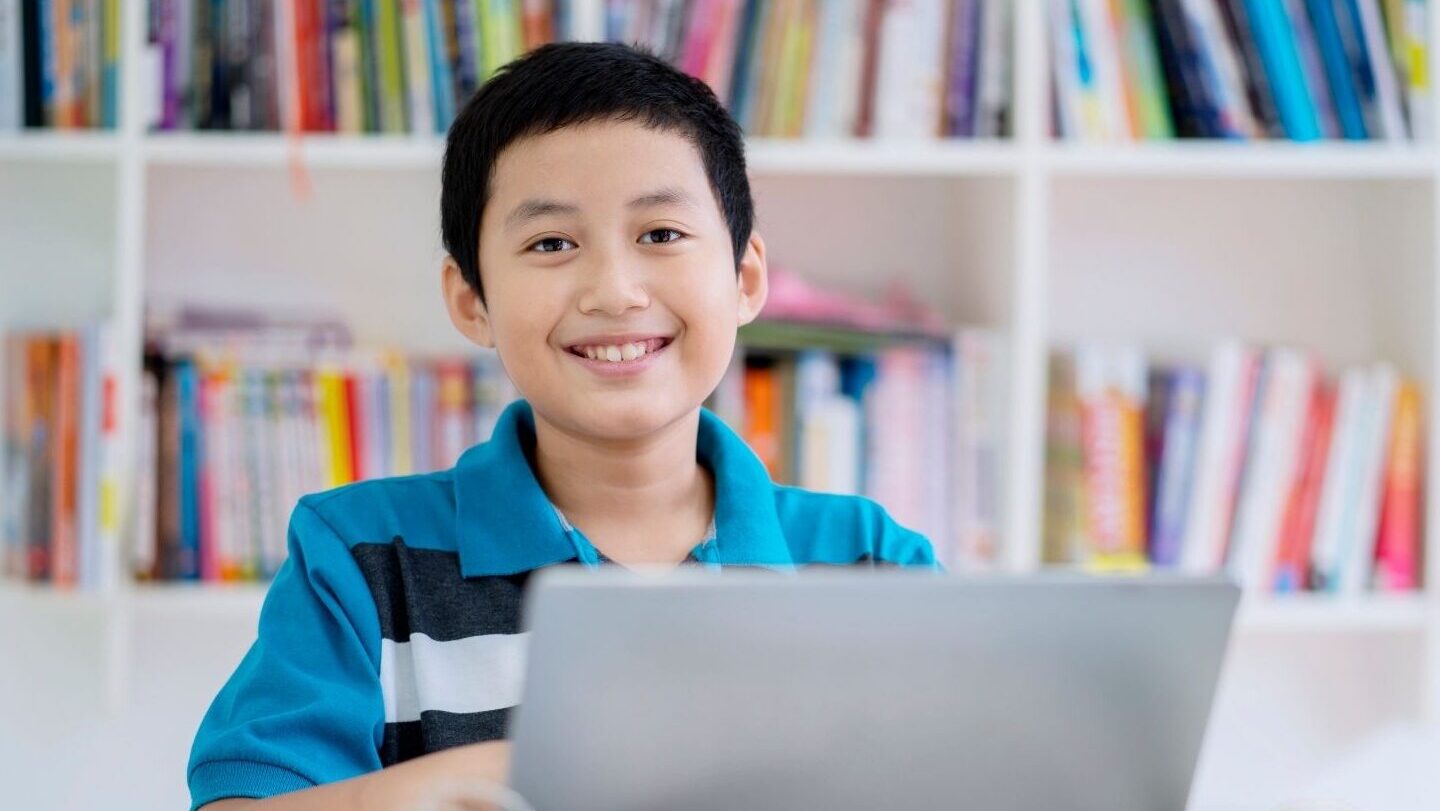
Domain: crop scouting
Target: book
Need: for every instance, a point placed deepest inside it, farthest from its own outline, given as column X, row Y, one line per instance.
column 1272, row 466
column 1111, row 387
column 1297, row 528
column 1397, row 545
column 1231, row 387
column 1175, row 471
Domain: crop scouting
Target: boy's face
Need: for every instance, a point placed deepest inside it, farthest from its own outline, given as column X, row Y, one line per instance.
column 609, row 278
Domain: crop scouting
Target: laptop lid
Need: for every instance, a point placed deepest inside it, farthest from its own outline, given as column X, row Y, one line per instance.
column 853, row 689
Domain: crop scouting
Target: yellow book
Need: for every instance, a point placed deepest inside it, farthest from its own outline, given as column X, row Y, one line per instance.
column 402, row 454
column 334, row 426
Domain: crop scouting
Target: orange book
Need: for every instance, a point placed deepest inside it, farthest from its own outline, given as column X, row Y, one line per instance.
column 64, row 555
column 61, row 115
column 1397, row 546
column 537, row 22
column 762, row 416
column 307, row 26
column 1297, row 527
column 1112, row 437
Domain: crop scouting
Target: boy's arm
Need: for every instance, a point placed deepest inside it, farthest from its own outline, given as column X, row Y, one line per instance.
column 409, row 785
column 304, row 708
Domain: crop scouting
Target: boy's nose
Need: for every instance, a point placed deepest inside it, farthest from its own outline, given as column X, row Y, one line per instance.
column 612, row 287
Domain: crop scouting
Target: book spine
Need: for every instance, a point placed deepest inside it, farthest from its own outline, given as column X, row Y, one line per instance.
column 390, row 67
column 64, row 555
column 12, row 92
column 1143, row 67
column 1337, row 69
column 1175, row 482
column 187, row 552
column 1275, row 39
column 1313, row 67
column 1111, row 387
column 1397, row 553
column 1257, row 84
column 1297, row 533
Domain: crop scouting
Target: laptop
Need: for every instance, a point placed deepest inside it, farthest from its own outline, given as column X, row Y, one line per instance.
column 850, row 689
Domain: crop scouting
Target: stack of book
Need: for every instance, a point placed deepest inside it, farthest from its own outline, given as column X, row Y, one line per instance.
column 234, row 430
column 1302, row 69
column 349, row 66
column 914, row 421
column 1260, row 466
column 838, row 68
column 59, row 64
column 59, row 520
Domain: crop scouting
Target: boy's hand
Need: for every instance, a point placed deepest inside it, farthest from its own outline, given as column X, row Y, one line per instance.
column 474, row 779
column 451, row 780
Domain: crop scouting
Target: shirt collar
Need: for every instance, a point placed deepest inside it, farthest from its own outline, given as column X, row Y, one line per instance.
column 508, row 525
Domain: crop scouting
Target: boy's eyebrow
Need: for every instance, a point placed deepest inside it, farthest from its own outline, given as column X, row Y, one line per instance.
column 666, row 196
column 530, row 209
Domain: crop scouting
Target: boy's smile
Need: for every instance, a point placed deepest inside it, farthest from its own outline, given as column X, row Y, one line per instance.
column 609, row 277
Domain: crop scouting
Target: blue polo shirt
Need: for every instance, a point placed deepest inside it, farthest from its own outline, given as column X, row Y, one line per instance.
column 393, row 628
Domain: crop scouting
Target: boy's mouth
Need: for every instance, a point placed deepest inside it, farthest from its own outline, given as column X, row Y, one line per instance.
column 619, row 349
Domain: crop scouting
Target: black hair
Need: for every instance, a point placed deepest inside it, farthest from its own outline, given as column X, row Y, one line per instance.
column 564, row 84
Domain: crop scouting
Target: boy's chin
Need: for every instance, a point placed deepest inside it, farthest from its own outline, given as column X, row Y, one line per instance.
column 625, row 419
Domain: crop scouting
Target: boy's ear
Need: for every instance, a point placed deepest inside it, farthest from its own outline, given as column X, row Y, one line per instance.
column 467, row 311
column 754, row 279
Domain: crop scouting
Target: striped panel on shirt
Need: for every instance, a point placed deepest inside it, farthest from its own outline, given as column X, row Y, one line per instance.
column 452, row 656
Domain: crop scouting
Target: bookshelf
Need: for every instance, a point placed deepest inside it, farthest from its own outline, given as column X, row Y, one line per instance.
column 1173, row 246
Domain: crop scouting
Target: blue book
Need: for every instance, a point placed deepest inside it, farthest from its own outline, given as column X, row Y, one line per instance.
column 1275, row 37
column 747, row 54
column 442, row 85
column 187, row 554
column 1337, row 69
column 1175, row 477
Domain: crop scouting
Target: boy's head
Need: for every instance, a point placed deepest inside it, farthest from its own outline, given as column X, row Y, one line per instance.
column 595, row 205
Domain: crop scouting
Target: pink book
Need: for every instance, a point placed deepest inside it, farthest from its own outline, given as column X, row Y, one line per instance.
column 1397, row 545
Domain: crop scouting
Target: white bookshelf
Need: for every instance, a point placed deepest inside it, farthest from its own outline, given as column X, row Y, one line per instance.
column 1174, row 246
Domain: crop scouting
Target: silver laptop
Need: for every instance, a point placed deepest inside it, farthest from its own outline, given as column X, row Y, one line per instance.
column 846, row 690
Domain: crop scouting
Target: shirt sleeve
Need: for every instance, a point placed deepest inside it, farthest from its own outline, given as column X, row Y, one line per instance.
column 304, row 707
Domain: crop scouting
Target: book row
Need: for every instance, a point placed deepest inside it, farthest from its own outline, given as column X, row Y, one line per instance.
column 351, row 66
column 59, row 518
column 785, row 68
column 915, row 423
column 1259, row 465
column 59, row 64
column 231, row 439
column 1239, row 69
column 838, row 68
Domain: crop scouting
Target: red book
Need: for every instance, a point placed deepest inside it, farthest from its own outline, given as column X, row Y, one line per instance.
column 1397, row 545
column 355, row 411
column 1297, row 527
column 307, row 38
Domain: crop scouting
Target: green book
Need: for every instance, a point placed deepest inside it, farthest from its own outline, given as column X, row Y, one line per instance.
column 391, row 70
column 1142, row 63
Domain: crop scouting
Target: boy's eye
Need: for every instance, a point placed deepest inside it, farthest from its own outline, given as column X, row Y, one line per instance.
column 673, row 235
column 550, row 245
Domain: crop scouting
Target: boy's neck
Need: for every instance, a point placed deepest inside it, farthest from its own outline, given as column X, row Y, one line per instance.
column 636, row 500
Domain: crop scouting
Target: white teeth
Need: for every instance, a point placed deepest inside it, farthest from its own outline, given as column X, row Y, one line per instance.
column 616, row 353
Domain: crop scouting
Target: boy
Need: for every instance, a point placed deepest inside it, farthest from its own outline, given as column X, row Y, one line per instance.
column 597, row 216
